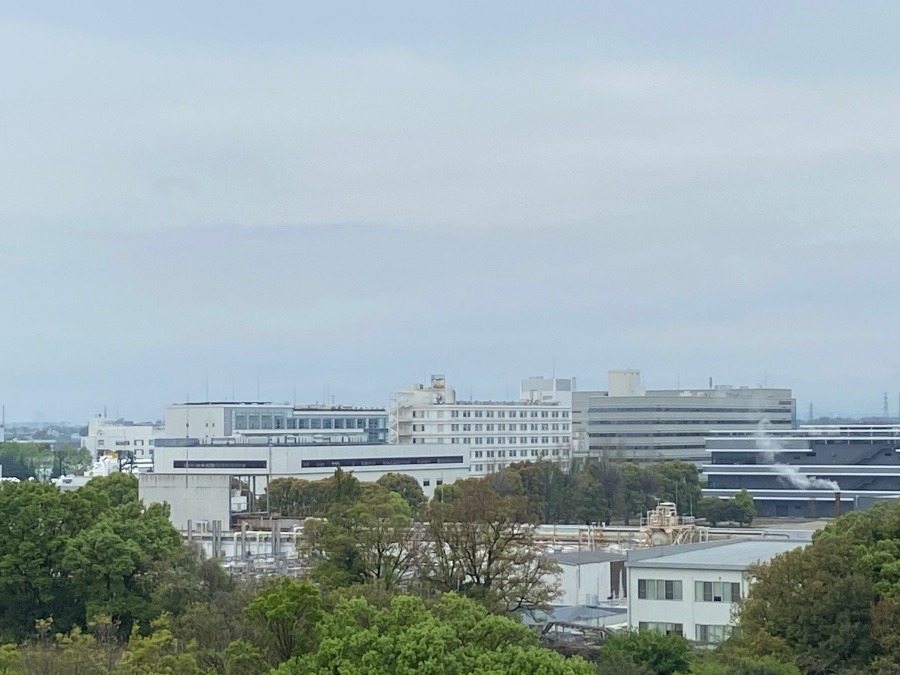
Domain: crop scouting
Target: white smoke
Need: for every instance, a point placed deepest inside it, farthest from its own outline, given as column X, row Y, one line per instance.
column 769, row 446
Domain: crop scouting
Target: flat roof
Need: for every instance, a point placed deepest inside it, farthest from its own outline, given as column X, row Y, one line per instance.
column 586, row 557
column 731, row 555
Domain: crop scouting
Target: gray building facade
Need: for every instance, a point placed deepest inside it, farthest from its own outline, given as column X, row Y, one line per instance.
column 628, row 422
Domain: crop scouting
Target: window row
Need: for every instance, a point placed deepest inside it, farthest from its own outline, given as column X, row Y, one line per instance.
column 659, row 589
column 501, row 427
column 478, row 454
column 554, row 414
column 523, row 440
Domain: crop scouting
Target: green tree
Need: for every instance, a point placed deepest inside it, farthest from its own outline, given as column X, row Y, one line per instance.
column 371, row 541
column 745, row 508
column 289, row 611
column 811, row 607
column 478, row 544
column 117, row 489
column 454, row 637
column 406, row 486
column 661, row 654
column 243, row 658
column 678, row 482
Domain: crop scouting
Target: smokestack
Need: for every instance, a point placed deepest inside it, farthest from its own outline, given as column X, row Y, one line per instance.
column 837, row 503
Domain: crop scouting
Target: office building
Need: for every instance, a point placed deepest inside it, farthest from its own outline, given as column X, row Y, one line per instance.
column 812, row 472
column 308, row 423
column 259, row 460
column 628, row 422
column 691, row 589
column 535, row 427
column 135, row 441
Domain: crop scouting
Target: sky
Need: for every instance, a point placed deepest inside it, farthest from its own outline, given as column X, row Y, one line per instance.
column 300, row 201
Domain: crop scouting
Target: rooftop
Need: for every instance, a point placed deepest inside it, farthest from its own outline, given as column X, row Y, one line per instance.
column 586, row 557
column 732, row 554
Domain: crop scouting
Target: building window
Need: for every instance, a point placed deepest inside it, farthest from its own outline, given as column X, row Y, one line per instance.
column 712, row 633
column 454, row 413
column 512, row 440
column 534, row 413
column 716, row 591
column 467, row 427
column 512, row 453
column 426, row 483
column 490, row 440
column 467, row 413
column 454, row 427
column 479, row 413
column 478, row 427
column 664, row 628
column 478, row 440
column 659, row 589
column 489, row 413
column 488, row 427
column 543, row 413
column 478, row 454
column 501, row 413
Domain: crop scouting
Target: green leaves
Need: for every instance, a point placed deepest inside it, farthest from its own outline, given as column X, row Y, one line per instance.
column 455, row 637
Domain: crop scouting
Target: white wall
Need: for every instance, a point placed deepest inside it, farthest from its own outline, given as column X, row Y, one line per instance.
column 584, row 584
column 286, row 461
column 196, row 498
column 686, row 611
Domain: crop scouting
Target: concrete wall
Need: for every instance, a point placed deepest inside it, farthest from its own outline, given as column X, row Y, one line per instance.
column 191, row 497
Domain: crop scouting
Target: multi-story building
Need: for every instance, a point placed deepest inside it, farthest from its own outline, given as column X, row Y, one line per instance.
column 258, row 460
column 536, row 427
column 134, row 439
column 629, row 422
column 306, row 424
column 813, row 472
column 690, row 589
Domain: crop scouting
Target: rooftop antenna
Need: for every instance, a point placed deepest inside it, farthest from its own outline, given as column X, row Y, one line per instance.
column 885, row 412
column 187, row 417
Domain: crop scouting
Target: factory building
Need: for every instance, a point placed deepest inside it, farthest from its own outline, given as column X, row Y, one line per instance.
column 815, row 471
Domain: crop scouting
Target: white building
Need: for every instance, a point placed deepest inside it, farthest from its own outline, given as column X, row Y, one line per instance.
column 212, row 420
column 690, row 589
column 590, row 577
column 629, row 422
column 500, row 433
column 121, row 436
column 260, row 460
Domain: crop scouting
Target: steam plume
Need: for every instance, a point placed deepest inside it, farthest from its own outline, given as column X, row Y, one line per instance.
column 769, row 446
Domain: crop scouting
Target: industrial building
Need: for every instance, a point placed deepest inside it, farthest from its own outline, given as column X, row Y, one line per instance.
column 690, row 589
column 812, row 472
column 628, row 422
column 535, row 427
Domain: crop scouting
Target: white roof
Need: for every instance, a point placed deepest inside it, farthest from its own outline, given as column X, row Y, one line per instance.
column 730, row 555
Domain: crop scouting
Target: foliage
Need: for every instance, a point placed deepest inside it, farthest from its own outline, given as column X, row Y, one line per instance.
column 833, row 606
column 406, row 486
column 25, row 460
column 373, row 540
column 739, row 509
column 289, row 611
column 299, row 498
column 70, row 555
column 660, row 653
column 479, row 545
column 456, row 636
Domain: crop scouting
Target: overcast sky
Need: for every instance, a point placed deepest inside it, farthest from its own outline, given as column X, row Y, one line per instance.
column 342, row 198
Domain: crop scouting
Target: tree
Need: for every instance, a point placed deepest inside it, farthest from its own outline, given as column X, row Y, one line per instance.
column 663, row 654
column 678, row 482
column 406, row 486
column 479, row 545
column 454, row 637
column 809, row 606
column 289, row 611
column 744, row 507
column 371, row 541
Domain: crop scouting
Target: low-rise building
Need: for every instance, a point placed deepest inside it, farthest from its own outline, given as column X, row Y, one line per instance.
column 257, row 461
column 590, row 577
column 690, row 589
column 815, row 471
